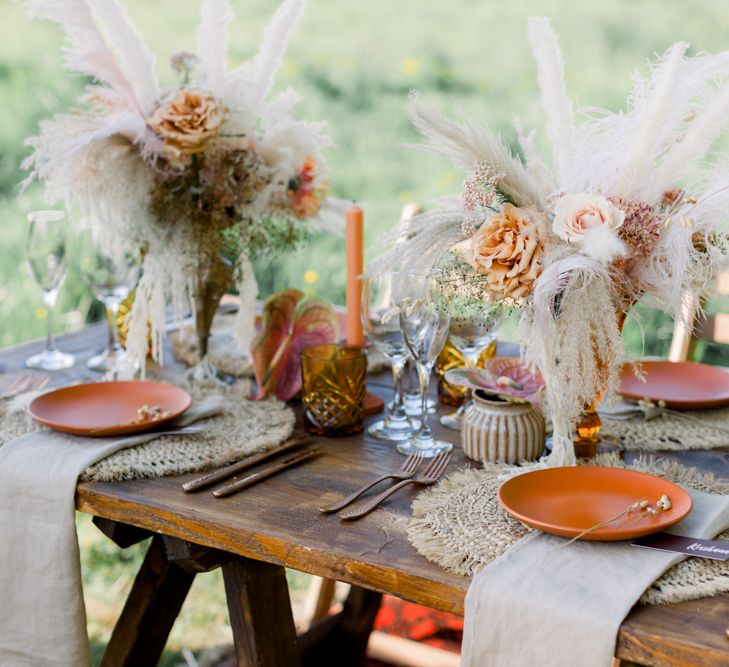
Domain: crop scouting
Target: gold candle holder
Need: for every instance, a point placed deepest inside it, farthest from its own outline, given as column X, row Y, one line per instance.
column 334, row 379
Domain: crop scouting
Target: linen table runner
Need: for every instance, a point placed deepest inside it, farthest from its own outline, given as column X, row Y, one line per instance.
column 547, row 603
column 42, row 618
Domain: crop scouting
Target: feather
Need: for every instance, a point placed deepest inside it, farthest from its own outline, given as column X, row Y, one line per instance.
column 557, row 105
column 253, row 81
column 88, row 54
column 533, row 160
column 695, row 144
column 134, row 58
column 212, row 44
column 651, row 127
column 466, row 144
column 603, row 245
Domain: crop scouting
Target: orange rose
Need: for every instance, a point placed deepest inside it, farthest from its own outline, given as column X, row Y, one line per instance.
column 507, row 250
column 187, row 121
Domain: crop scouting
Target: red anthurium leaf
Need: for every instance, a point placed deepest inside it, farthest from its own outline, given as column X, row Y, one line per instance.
column 289, row 325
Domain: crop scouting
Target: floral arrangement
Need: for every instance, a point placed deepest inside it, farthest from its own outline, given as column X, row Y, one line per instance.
column 628, row 207
column 200, row 178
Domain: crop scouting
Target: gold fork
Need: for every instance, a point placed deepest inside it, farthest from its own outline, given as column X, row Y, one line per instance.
column 406, row 471
column 26, row 382
column 429, row 475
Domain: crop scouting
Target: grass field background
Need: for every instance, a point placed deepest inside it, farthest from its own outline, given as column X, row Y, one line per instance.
column 354, row 62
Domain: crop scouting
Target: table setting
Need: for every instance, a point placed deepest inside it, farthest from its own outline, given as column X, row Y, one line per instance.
column 272, row 438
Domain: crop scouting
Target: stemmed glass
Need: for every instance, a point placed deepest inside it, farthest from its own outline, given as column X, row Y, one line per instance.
column 424, row 325
column 381, row 321
column 111, row 279
column 46, row 258
column 471, row 333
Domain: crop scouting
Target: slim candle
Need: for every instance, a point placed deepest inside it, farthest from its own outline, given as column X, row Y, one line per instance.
column 355, row 268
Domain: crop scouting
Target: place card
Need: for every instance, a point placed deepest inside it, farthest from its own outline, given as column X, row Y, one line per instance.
column 691, row 546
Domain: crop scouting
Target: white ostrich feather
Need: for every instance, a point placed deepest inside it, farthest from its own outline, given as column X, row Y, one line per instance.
column 557, row 105
column 465, row 144
column 89, row 53
column 654, row 115
column 252, row 81
column 135, row 60
column 212, row 44
column 697, row 141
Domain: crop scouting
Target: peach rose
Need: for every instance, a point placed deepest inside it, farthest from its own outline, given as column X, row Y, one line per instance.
column 576, row 215
column 507, row 250
column 186, row 121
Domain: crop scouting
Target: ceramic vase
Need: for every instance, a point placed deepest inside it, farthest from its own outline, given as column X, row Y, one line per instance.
column 494, row 431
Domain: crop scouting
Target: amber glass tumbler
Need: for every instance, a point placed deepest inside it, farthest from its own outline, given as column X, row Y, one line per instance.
column 333, row 391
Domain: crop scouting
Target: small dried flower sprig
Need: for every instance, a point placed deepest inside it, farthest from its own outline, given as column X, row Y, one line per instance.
column 480, row 188
column 150, row 413
column 641, row 507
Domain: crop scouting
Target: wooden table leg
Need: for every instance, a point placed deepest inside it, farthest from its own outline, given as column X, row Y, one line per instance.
column 141, row 632
column 260, row 614
column 341, row 639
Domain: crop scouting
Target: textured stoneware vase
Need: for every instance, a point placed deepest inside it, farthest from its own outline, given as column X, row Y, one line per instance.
column 500, row 432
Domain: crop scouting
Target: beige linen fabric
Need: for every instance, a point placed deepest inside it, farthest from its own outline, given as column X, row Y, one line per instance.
column 547, row 603
column 42, row 618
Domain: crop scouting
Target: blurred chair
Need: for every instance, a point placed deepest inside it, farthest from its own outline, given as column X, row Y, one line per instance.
column 691, row 342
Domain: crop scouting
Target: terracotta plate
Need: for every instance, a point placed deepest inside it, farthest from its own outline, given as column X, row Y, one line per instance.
column 107, row 408
column 566, row 501
column 683, row 385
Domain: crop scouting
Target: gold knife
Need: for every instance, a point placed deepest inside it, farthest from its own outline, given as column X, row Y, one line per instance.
column 256, row 477
column 234, row 468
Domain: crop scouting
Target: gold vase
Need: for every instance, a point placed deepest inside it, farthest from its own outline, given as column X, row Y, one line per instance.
column 450, row 357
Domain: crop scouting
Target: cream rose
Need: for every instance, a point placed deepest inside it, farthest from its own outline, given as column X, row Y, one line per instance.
column 576, row 215
column 187, row 121
column 507, row 250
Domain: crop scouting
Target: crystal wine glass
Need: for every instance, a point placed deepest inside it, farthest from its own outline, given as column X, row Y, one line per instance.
column 381, row 321
column 46, row 259
column 471, row 333
column 111, row 279
column 424, row 325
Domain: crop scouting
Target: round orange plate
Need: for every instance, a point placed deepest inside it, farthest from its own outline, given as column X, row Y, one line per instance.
column 683, row 385
column 107, row 408
column 566, row 501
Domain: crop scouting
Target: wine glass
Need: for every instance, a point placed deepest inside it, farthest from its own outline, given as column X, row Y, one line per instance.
column 424, row 323
column 111, row 278
column 45, row 253
column 381, row 322
column 471, row 332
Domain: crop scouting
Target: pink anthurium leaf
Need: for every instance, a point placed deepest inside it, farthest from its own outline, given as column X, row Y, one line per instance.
column 289, row 325
column 505, row 377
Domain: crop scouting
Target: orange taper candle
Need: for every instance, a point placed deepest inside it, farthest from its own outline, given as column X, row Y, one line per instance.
column 355, row 268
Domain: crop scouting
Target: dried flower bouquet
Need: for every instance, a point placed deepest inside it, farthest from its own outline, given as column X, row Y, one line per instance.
column 200, row 178
column 628, row 206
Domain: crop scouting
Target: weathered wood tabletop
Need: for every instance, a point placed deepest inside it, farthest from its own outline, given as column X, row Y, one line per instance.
column 277, row 523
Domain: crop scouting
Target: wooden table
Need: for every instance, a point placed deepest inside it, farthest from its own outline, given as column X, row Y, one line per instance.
column 254, row 535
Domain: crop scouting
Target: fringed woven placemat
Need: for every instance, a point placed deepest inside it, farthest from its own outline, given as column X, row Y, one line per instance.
column 698, row 429
column 460, row 525
column 243, row 427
